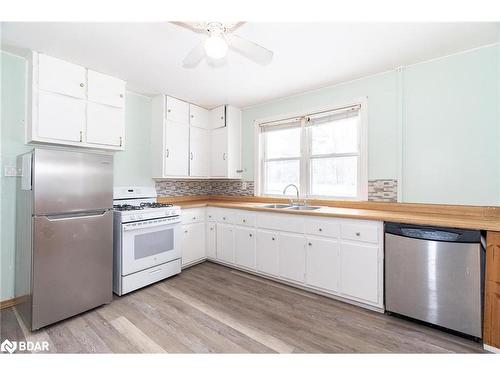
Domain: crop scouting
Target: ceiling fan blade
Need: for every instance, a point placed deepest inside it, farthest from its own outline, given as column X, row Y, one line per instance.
column 197, row 27
column 249, row 49
column 232, row 27
column 194, row 56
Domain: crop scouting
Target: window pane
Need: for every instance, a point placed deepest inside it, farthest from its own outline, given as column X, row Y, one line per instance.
column 335, row 137
column 283, row 143
column 334, row 176
column 278, row 174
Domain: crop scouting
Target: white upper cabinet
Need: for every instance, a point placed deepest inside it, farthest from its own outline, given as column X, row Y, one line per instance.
column 61, row 77
column 176, row 149
column 60, row 117
column 218, row 117
column 186, row 143
column 105, row 89
column 199, row 117
column 177, row 110
column 71, row 105
column 104, row 125
column 199, row 149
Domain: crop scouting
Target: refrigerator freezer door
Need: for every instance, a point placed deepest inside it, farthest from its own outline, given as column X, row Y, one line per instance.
column 67, row 181
column 72, row 265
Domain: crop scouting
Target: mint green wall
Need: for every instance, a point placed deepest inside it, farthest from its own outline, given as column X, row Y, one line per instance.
column 381, row 91
column 13, row 73
column 450, row 144
column 132, row 166
column 451, row 148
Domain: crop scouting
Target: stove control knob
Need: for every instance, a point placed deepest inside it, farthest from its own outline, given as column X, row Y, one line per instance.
column 132, row 217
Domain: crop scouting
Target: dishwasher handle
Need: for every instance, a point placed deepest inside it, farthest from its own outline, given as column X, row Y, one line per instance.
column 434, row 233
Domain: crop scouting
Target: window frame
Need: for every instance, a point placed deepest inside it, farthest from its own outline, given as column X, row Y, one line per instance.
column 305, row 152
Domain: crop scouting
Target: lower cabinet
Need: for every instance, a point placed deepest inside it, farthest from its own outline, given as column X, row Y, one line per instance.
column 292, row 257
column 193, row 243
column 211, row 240
column 359, row 268
column 323, row 264
column 244, row 247
column 267, row 252
column 225, row 243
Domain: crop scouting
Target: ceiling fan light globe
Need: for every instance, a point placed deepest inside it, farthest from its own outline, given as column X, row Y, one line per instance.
column 215, row 47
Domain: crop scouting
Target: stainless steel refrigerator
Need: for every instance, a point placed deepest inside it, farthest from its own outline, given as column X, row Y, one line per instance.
column 64, row 234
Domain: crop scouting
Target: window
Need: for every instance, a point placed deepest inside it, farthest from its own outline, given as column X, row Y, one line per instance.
column 322, row 153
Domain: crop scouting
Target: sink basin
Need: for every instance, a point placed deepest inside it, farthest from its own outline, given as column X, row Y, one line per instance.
column 277, row 205
column 303, row 208
column 290, row 207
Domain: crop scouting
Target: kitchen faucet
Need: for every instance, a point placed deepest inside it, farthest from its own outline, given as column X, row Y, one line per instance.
column 297, row 189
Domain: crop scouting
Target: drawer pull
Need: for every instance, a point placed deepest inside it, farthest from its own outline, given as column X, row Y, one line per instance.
column 185, row 231
column 320, row 229
column 272, row 238
column 82, row 85
column 224, row 218
column 358, row 234
column 250, row 234
column 310, row 244
column 194, row 217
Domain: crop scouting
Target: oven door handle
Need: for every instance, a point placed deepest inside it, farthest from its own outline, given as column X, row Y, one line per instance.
column 129, row 227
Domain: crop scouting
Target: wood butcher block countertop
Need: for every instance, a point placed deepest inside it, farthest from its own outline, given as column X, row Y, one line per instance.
column 452, row 216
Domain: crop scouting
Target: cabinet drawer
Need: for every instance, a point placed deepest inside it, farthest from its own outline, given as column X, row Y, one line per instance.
column 281, row 222
column 325, row 227
column 224, row 216
column 245, row 218
column 211, row 214
column 193, row 215
column 360, row 232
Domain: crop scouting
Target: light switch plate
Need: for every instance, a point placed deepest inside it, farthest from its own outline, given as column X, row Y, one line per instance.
column 11, row 171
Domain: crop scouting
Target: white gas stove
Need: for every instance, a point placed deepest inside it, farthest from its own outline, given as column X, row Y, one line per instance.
column 146, row 239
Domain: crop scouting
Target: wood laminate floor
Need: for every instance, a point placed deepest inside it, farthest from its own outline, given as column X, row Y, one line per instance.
column 209, row 308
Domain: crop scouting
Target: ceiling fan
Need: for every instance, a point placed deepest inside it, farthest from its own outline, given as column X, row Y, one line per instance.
column 221, row 37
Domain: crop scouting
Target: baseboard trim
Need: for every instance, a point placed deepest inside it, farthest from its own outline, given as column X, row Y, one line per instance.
column 491, row 349
column 9, row 302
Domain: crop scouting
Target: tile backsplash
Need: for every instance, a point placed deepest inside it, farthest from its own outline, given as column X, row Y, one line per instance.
column 175, row 188
column 385, row 190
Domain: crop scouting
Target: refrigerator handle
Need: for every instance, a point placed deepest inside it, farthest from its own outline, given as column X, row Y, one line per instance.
column 69, row 216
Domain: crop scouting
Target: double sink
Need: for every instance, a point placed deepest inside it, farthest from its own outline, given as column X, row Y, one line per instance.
column 291, row 207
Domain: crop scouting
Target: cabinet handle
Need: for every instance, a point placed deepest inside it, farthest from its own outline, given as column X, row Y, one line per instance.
column 310, row 244
column 169, row 110
column 224, row 156
column 82, row 85
column 222, row 117
column 244, row 221
column 192, row 116
column 250, row 234
column 358, row 234
column 320, row 229
column 272, row 238
column 121, row 95
column 211, row 228
column 168, row 153
column 194, row 217
column 185, row 231
column 120, row 141
column 223, row 218
column 191, row 155
column 81, row 136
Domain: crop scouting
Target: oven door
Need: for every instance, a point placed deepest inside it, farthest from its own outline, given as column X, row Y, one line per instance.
column 146, row 246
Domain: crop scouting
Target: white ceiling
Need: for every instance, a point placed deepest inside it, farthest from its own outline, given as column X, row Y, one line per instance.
column 306, row 55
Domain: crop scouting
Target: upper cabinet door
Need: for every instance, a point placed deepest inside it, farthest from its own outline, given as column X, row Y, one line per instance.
column 219, row 153
column 105, row 125
column 177, row 110
column 218, row 117
column 105, row 89
column 61, row 77
column 176, row 149
column 199, row 117
column 60, row 118
column 199, row 151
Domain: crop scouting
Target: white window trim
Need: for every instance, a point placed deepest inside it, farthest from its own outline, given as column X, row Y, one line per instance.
column 363, row 150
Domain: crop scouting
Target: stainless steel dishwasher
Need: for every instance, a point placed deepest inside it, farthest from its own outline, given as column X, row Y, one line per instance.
column 435, row 275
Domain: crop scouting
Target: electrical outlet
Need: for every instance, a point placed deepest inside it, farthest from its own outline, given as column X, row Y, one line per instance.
column 11, row 171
